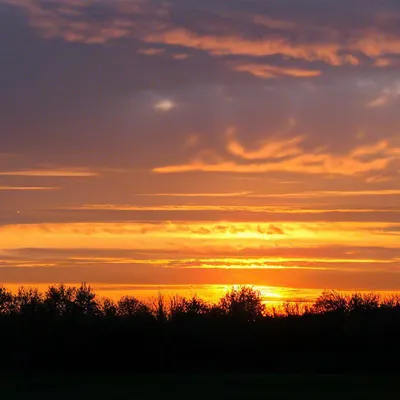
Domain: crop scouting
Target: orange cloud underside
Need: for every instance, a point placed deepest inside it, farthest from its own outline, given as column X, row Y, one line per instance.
column 200, row 254
column 286, row 155
column 175, row 236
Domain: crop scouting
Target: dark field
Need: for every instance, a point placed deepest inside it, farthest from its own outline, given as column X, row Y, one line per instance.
column 207, row 387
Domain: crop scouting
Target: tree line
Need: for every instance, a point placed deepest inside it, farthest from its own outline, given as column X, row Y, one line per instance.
column 70, row 329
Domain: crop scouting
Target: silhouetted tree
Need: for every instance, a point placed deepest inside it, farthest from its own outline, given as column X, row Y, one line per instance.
column 243, row 303
column 6, row 301
column 337, row 333
column 160, row 308
column 129, row 306
column 391, row 302
column 196, row 306
column 363, row 302
column 182, row 307
column 28, row 301
column 85, row 301
column 107, row 308
column 296, row 309
column 60, row 300
column 331, row 301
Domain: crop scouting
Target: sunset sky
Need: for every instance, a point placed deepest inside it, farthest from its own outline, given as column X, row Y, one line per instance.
column 186, row 143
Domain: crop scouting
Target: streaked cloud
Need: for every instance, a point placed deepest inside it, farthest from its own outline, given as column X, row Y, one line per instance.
column 231, row 208
column 269, row 71
column 360, row 160
column 154, row 23
column 387, row 96
column 234, row 44
column 51, row 172
column 70, row 19
column 180, row 56
column 27, row 188
column 273, row 148
column 333, row 193
column 232, row 194
column 370, row 267
column 151, row 51
column 180, row 235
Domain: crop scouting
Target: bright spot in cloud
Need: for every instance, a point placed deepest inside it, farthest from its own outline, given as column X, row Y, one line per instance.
column 387, row 96
column 165, row 105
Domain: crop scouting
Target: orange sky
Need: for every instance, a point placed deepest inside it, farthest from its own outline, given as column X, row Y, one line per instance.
column 167, row 144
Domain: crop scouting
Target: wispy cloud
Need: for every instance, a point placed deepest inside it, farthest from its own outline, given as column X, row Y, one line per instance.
column 99, row 22
column 73, row 20
column 284, row 209
column 273, row 148
column 387, row 96
column 307, row 267
column 151, row 51
column 228, row 194
column 270, row 71
column 287, row 156
column 51, row 172
column 332, row 193
column 223, row 45
column 27, row 188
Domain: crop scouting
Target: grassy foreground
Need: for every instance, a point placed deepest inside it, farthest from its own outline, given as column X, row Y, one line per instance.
column 206, row 387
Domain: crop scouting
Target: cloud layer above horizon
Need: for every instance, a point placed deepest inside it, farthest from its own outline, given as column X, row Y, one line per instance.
column 200, row 142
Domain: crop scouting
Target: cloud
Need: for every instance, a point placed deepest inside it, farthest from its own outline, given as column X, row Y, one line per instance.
column 192, row 140
column 275, row 23
column 180, row 56
column 317, row 266
column 273, row 148
column 295, row 37
column 165, row 105
column 281, row 253
column 286, row 156
column 197, row 235
column 253, row 208
column 335, row 50
column 383, row 62
column 151, row 51
column 27, row 188
column 90, row 22
column 378, row 179
column 269, row 71
column 387, row 96
column 275, row 209
column 333, row 193
column 225, row 32
column 235, row 45
column 52, row 172
column 229, row 194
